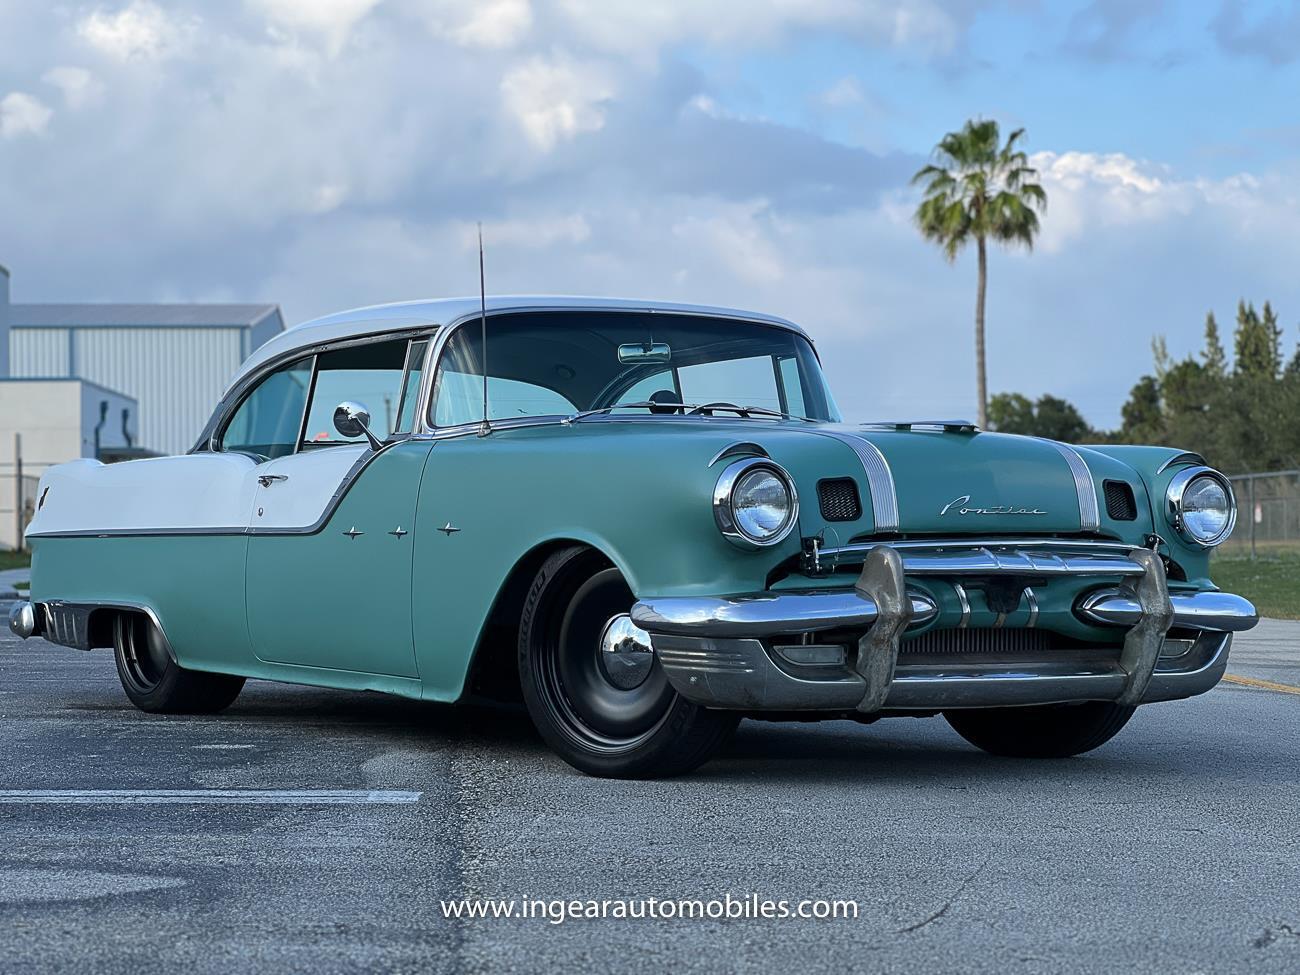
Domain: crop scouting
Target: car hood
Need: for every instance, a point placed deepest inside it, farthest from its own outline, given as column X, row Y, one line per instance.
column 943, row 481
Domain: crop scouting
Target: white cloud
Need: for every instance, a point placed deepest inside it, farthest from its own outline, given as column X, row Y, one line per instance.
column 331, row 20
column 555, row 99
column 845, row 93
column 739, row 238
column 139, row 31
column 23, row 114
column 80, row 88
column 483, row 23
column 637, row 27
column 1088, row 191
column 528, row 232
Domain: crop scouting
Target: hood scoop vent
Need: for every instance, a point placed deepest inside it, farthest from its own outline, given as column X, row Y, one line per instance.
column 943, row 426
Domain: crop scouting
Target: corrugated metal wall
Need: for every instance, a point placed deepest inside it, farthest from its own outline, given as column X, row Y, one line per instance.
column 177, row 375
column 38, row 353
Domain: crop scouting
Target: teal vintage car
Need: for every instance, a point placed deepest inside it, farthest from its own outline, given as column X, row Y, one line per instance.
column 648, row 521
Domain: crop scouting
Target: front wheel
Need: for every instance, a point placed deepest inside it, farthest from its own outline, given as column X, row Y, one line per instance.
column 1043, row 731
column 593, row 687
column 155, row 682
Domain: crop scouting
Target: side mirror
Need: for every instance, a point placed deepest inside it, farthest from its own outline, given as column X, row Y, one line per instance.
column 353, row 420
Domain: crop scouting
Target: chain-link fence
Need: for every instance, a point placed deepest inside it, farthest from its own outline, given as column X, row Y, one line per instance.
column 1268, row 514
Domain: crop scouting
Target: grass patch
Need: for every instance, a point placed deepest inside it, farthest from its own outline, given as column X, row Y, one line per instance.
column 15, row 560
column 1271, row 583
column 22, row 586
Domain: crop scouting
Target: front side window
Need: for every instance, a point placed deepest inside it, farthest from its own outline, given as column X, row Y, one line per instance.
column 266, row 424
column 369, row 374
column 559, row 363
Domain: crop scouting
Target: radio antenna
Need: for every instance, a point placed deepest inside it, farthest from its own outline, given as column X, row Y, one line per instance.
column 485, row 427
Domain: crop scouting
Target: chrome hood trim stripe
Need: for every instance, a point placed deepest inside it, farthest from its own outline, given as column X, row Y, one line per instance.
column 1089, row 513
column 880, row 479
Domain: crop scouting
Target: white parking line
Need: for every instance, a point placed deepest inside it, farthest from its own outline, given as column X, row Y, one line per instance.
column 258, row 797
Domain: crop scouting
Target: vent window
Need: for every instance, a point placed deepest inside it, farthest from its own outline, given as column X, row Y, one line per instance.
column 1120, row 505
column 839, row 499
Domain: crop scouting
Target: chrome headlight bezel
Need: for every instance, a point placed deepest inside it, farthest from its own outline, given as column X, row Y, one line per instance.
column 1174, row 504
column 724, row 512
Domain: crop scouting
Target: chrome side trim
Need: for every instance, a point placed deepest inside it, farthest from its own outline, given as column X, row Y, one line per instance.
column 1089, row 512
column 1219, row 611
column 1187, row 457
column 880, row 479
column 767, row 613
column 741, row 448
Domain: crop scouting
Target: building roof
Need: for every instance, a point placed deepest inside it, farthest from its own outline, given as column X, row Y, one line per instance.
column 428, row 314
column 139, row 315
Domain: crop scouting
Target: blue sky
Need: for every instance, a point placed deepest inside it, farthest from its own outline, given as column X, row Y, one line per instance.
column 332, row 153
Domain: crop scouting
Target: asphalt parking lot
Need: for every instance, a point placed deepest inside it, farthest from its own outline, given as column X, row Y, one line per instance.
column 318, row 831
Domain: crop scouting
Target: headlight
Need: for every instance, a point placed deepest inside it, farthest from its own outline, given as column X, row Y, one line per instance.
column 754, row 503
column 1201, row 506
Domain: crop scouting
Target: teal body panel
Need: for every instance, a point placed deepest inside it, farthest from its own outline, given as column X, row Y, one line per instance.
column 640, row 492
column 194, row 583
column 341, row 601
column 406, row 614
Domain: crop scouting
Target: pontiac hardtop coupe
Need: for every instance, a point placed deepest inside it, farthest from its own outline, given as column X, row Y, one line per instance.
column 646, row 519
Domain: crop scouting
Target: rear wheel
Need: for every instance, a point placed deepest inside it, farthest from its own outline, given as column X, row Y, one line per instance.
column 1045, row 731
column 593, row 688
column 155, row 682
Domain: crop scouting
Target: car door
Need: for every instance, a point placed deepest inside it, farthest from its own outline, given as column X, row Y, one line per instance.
column 328, row 578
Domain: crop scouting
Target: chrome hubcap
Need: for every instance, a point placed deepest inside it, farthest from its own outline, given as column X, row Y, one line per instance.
column 626, row 656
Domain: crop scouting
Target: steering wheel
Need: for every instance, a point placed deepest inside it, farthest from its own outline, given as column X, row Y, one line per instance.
column 708, row 409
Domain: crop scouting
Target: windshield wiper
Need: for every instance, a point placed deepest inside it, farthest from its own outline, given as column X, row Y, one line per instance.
column 689, row 409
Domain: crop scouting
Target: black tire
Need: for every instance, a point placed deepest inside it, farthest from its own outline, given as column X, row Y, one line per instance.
column 644, row 731
column 1044, row 731
column 155, row 682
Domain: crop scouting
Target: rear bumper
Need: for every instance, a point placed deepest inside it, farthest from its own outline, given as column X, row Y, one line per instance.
column 728, row 652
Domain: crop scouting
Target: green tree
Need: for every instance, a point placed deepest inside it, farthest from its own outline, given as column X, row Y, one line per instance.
column 1050, row 417
column 979, row 188
column 1216, row 360
column 1012, row 413
column 1141, row 416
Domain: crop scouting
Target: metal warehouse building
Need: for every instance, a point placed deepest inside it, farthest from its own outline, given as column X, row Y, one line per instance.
column 173, row 360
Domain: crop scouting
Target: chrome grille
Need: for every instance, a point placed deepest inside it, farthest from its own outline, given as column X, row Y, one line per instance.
column 839, row 499
column 987, row 641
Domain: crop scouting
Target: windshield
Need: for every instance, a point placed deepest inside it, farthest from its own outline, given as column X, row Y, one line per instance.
column 560, row 363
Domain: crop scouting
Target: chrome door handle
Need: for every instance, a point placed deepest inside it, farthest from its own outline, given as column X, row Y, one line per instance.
column 267, row 479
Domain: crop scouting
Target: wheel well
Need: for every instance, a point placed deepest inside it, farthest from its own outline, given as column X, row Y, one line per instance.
column 99, row 627
column 494, row 669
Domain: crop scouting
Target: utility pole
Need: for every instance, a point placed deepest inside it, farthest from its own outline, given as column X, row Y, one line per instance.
column 18, row 491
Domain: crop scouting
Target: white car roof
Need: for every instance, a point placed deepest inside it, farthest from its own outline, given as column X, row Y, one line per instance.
column 395, row 317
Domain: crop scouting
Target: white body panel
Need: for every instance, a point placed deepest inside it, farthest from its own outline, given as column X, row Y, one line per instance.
column 194, row 491
column 311, row 479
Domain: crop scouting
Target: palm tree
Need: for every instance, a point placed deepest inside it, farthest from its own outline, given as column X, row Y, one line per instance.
column 979, row 188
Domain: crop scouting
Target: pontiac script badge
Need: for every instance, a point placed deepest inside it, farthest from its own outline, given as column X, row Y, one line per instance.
column 962, row 506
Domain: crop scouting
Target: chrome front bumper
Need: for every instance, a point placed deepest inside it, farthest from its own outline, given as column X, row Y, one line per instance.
column 719, row 651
